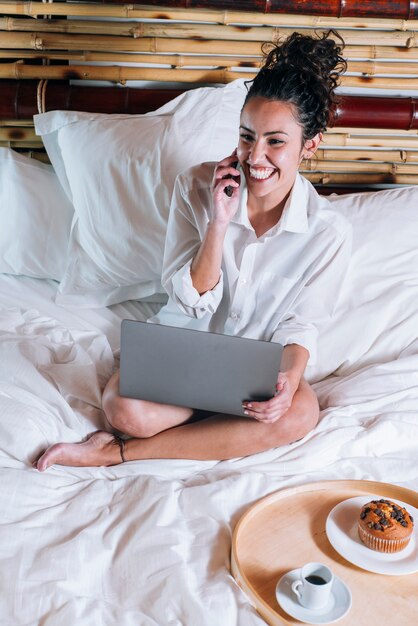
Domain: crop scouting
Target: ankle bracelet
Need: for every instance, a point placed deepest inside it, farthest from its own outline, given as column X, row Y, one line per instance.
column 121, row 443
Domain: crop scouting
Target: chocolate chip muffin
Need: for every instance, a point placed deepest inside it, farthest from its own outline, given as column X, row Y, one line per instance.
column 385, row 526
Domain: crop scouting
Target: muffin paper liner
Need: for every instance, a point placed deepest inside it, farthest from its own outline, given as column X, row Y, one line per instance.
column 382, row 545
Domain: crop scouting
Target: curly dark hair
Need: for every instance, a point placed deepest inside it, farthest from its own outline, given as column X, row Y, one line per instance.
column 304, row 71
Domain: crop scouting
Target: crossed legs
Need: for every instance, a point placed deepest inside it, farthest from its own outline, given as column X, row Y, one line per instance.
column 165, row 432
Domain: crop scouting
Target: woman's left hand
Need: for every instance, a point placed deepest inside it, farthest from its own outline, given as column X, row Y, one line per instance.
column 270, row 411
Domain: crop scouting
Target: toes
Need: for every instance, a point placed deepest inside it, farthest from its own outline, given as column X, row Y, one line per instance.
column 42, row 463
column 49, row 457
column 39, row 465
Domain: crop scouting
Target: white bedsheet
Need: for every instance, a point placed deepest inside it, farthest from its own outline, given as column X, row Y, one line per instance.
column 148, row 543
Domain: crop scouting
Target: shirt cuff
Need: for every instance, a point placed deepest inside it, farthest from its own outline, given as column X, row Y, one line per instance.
column 189, row 296
column 303, row 336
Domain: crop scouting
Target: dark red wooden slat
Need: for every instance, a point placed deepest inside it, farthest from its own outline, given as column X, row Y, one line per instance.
column 377, row 112
column 18, row 100
column 402, row 9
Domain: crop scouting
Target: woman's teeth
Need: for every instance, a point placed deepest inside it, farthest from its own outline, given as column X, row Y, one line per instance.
column 261, row 173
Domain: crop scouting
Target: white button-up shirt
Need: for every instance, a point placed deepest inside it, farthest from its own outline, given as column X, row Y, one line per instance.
column 281, row 286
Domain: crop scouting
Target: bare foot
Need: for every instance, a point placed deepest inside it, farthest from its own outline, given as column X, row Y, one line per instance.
column 101, row 448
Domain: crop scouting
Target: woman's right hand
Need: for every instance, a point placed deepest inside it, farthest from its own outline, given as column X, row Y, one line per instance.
column 224, row 206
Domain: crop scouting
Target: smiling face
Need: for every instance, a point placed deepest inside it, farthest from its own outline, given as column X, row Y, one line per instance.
column 270, row 149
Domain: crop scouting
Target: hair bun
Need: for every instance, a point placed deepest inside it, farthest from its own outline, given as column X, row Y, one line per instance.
column 304, row 71
column 321, row 55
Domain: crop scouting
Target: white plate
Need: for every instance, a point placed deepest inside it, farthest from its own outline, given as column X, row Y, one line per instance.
column 339, row 603
column 341, row 529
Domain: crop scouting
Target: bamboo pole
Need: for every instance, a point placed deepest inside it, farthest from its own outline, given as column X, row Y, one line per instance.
column 35, row 9
column 117, row 74
column 402, row 143
column 369, row 68
column 13, row 122
column 324, row 178
column 51, row 41
column 376, row 52
column 407, row 38
column 33, row 145
column 32, row 154
column 313, row 165
column 121, row 29
column 388, row 156
column 378, row 82
column 19, row 133
column 58, row 56
column 122, row 74
column 175, row 60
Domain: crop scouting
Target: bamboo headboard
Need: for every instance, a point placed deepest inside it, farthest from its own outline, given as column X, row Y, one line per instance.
column 49, row 49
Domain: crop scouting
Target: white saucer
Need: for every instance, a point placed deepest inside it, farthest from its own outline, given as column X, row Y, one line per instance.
column 338, row 605
column 341, row 529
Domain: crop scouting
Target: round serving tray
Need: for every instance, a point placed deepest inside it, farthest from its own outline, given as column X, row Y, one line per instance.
column 287, row 529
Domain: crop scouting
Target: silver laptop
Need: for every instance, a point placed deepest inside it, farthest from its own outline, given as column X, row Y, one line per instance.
column 196, row 369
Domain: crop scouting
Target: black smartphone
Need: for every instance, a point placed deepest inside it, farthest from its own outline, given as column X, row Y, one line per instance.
column 229, row 189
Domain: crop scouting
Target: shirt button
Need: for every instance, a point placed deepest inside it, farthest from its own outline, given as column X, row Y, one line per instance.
column 234, row 315
column 243, row 281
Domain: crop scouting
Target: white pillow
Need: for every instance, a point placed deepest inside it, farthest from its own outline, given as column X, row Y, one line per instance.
column 119, row 172
column 376, row 319
column 35, row 218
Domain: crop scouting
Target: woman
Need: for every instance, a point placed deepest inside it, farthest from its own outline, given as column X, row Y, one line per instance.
column 251, row 250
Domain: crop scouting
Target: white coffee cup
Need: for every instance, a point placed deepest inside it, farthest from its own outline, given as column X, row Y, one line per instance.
column 313, row 586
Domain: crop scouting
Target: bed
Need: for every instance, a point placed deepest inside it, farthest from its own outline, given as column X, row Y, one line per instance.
column 148, row 543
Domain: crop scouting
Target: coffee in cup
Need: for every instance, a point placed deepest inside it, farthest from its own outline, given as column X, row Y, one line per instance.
column 313, row 586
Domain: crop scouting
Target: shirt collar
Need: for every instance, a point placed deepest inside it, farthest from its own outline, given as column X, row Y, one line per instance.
column 294, row 217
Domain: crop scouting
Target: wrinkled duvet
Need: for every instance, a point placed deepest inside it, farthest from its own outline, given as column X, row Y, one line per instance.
column 148, row 543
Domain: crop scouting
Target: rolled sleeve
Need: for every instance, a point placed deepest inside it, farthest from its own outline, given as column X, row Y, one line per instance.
column 304, row 335
column 189, row 300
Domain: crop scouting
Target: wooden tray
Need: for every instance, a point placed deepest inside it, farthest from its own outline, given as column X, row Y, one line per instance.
column 287, row 529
